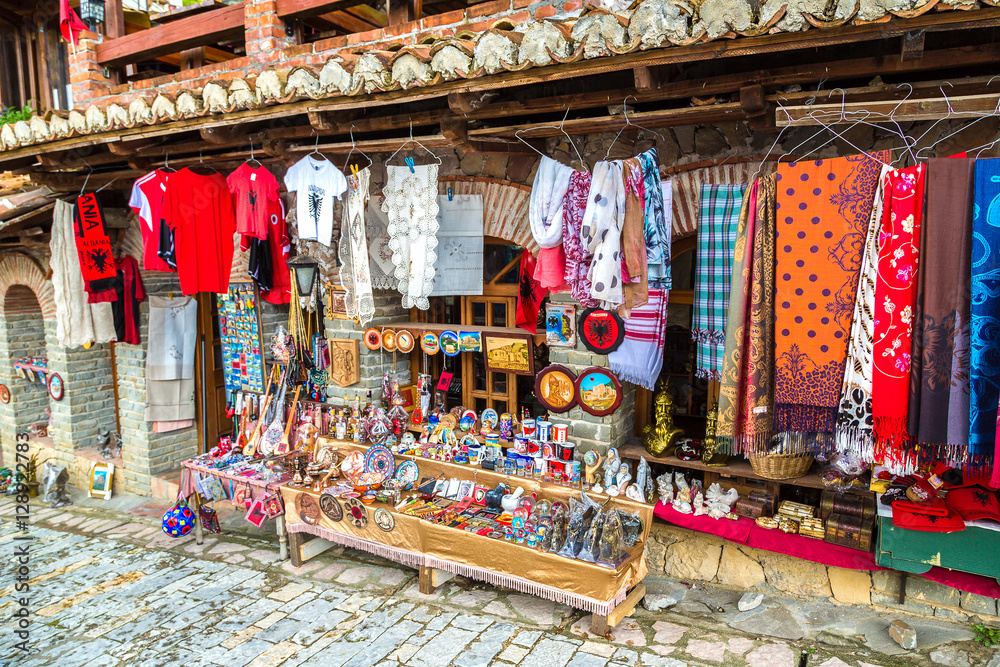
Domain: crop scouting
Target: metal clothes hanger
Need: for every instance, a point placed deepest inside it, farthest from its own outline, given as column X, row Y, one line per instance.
column 166, row 162
column 899, row 130
column 87, row 179
column 347, row 163
column 252, row 158
column 561, row 128
column 982, row 117
column 776, row 140
column 106, row 185
column 951, row 112
column 843, row 118
column 411, row 140
column 315, row 150
column 627, row 124
column 202, row 163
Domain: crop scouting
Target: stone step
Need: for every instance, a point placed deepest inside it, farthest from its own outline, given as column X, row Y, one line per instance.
column 166, row 485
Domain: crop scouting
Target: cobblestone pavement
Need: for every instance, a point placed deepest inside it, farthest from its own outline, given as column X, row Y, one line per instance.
column 109, row 588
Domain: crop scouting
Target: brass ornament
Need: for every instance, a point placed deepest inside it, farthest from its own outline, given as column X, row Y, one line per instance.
column 661, row 439
column 709, row 454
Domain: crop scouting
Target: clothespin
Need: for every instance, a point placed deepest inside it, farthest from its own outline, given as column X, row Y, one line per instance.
column 409, row 163
column 354, row 169
column 450, row 197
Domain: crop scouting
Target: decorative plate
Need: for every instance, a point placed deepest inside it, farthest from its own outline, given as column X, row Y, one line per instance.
column 373, row 339
column 429, row 343
column 470, row 341
column 598, row 391
column 308, row 508
column 555, row 388
column 352, row 464
column 407, row 473
column 356, row 512
column 379, row 459
column 56, row 387
column 404, row 341
column 4, row 394
column 602, row 331
column 384, row 520
column 389, row 340
column 449, row 343
column 331, row 508
column 489, row 419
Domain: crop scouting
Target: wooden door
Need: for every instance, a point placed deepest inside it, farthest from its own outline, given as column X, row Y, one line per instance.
column 482, row 389
column 210, row 380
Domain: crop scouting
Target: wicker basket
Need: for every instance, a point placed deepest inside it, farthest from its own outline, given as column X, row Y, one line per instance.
column 782, row 466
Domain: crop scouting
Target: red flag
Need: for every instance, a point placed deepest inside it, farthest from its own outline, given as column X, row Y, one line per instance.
column 70, row 24
column 529, row 294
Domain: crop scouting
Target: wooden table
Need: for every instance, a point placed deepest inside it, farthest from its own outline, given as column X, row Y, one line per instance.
column 257, row 486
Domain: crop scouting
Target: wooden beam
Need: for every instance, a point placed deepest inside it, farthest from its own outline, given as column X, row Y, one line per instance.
column 225, row 135
column 913, row 45
column 347, row 22
column 369, row 14
column 647, row 79
column 965, row 106
column 469, row 103
column 456, row 129
column 296, row 9
column 752, row 100
column 399, row 11
column 114, row 19
column 201, row 30
column 126, row 148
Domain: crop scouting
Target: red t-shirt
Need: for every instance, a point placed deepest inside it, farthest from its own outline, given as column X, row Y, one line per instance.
column 147, row 203
column 253, row 190
column 200, row 211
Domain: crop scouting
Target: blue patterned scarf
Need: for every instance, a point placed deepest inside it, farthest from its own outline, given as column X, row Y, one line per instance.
column 984, row 334
column 657, row 227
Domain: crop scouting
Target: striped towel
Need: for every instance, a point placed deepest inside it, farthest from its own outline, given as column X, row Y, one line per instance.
column 717, row 224
column 640, row 356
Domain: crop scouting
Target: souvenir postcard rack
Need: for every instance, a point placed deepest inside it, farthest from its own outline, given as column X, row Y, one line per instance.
column 440, row 551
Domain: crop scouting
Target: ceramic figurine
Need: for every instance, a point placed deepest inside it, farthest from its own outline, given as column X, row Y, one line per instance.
column 611, row 548
column 659, row 440
column 510, row 501
column 611, row 464
column 591, row 462
column 624, row 477
column 506, row 426
column 643, row 478
column 665, row 485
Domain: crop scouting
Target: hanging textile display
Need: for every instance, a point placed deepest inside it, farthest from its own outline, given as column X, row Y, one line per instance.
column 658, row 211
column 173, row 329
column 853, row 432
column 77, row 321
column 578, row 257
column 129, row 292
column 895, row 298
column 358, row 281
column 253, row 188
column 941, row 405
column 200, row 211
column 823, row 207
column 459, row 268
column 545, row 217
column 268, row 259
column 601, row 233
column 146, row 201
column 379, row 252
column 411, row 204
column 720, row 211
column 529, row 294
column 984, row 333
column 634, row 258
column 730, row 380
column 317, row 184
column 639, row 359
column 97, row 258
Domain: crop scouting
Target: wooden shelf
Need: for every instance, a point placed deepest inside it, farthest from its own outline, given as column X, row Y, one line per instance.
column 736, row 467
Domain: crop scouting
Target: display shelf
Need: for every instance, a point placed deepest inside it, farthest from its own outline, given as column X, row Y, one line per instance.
column 737, row 468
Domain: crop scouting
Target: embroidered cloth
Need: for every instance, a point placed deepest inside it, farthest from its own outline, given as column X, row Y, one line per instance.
column 459, row 269
column 895, row 298
column 358, row 281
column 720, row 212
column 411, row 202
column 823, row 209
column 578, row 257
column 639, row 358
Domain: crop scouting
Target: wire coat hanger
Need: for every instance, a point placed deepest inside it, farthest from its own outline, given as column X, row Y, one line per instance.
column 561, row 128
column 628, row 123
column 843, row 118
column 982, row 117
column 87, row 179
column 411, row 140
column 347, row 163
column 252, row 158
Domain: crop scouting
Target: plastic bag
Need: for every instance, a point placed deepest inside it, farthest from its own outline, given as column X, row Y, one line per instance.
column 54, row 480
column 611, row 551
column 560, row 516
column 631, row 527
column 577, row 526
column 592, row 540
column 845, row 472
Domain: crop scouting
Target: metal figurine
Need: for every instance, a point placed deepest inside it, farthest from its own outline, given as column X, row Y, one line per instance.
column 660, row 440
column 709, row 455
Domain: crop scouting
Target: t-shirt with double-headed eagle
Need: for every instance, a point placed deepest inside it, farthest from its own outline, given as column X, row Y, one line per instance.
column 316, row 182
column 253, row 188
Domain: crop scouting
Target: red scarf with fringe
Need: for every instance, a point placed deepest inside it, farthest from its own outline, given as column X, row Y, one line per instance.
column 895, row 300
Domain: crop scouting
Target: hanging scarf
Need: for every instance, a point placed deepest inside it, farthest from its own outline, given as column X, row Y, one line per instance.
column 853, row 432
column 895, row 299
column 823, row 208
column 529, row 294
column 984, row 333
column 578, row 258
column 731, row 382
column 601, row 233
column 77, row 321
column 545, row 215
column 639, row 359
column 939, row 404
column 361, row 302
column 97, row 259
column 411, row 202
column 657, row 222
column 717, row 224
column 636, row 288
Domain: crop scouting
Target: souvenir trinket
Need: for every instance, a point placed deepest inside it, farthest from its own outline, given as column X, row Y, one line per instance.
column 660, row 440
column 356, row 512
column 602, row 331
column 559, row 433
column 468, row 421
column 506, row 426
column 429, row 343
column 528, row 427
column 378, row 459
column 560, row 325
column 470, row 341
column 510, row 354
column 373, row 339
column 598, row 391
column 330, row 507
column 488, row 420
column 178, row 520
column 404, row 341
column 389, row 340
column 449, row 343
column 384, row 520
column 307, row 508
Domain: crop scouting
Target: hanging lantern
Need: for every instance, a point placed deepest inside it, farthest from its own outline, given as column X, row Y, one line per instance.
column 306, row 270
column 92, row 13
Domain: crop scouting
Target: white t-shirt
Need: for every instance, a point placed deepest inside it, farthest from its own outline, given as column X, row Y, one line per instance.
column 317, row 182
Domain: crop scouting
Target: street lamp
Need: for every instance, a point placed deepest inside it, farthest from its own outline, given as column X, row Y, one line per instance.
column 92, row 13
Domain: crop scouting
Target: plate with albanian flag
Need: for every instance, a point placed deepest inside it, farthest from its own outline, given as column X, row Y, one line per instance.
column 601, row 330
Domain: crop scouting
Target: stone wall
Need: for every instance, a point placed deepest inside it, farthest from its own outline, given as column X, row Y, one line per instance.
column 692, row 557
column 21, row 335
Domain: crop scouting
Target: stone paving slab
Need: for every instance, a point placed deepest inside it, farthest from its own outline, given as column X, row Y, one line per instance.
column 108, row 588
